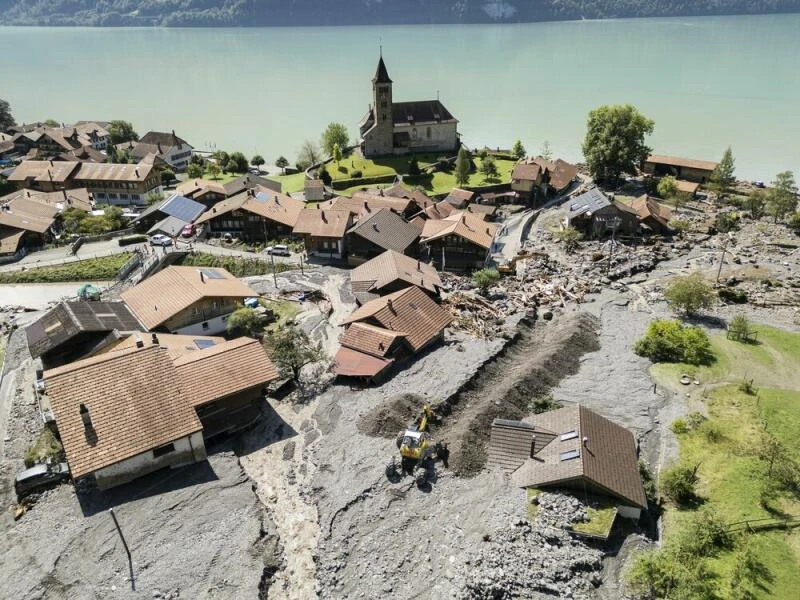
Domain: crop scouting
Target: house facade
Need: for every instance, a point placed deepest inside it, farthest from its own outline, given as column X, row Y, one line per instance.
column 459, row 242
column 252, row 216
column 323, row 231
column 170, row 148
column 595, row 215
column 402, row 127
column 687, row 169
column 378, row 232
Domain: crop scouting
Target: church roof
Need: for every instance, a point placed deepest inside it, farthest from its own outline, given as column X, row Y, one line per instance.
column 422, row 111
column 381, row 74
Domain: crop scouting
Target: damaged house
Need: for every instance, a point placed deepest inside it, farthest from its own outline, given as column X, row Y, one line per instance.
column 378, row 232
column 392, row 272
column 459, row 242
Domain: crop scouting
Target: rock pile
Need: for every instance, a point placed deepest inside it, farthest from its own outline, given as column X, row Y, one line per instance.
column 532, row 560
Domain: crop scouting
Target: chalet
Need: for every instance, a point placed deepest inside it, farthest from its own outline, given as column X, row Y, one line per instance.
column 380, row 231
column 391, row 272
column 314, row 190
column 389, row 328
column 74, row 330
column 461, row 198
column 170, row 148
column 207, row 193
column 594, row 214
column 459, row 242
column 187, row 300
column 368, row 202
column 528, row 180
column 129, row 412
column 259, row 216
column 240, row 184
column 652, row 214
column 323, row 231
column 559, row 174
column 170, row 215
column 400, row 127
column 571, row 448
column 697, row 171
column 437, row 211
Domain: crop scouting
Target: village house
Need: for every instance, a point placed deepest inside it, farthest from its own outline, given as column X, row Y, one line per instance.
column 240, row 184
column 109, row 183
column 461, row 198
column 380, row 231
column 391, row 272
column 365, row 203
column 323, row 231
column 652, row 214
column 169, row 216
column 559, row 174
column 594, row 214
column 459, row 242
column 261, row 216
column 50, row 142
column 187, row 300
column 170, row 148
column 314, row 190
column 400, row 127
column 571, row 448
column 528, row 180
column 207, row 193
column 697, row 171
column 131, row 411
column 439, row 210
column 387, row 329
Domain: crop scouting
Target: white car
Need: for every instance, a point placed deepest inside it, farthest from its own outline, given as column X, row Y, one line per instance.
column 160, row 240
column 278, row 250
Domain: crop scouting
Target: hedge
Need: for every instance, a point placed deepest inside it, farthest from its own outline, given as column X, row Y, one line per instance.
column 132, row 239
column 343, row 184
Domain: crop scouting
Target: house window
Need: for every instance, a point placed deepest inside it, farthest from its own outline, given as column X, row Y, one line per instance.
column 428, row 133
column 205, row 325
column 569, row 455
column 163, row 450
column 569, row 435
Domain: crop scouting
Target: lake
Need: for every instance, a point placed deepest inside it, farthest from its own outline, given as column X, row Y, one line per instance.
column 707, row 82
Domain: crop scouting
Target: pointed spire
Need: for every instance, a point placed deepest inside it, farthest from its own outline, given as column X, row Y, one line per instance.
column 381, row 74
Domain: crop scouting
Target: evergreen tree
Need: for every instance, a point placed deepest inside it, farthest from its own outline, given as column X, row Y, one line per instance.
column 518, row 150
column 723, row 176
column 463, row 166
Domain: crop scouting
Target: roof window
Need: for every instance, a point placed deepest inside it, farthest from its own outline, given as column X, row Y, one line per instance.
column 569, row 435
column 569, row 455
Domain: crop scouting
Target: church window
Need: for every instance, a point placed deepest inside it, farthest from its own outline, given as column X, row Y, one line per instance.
column 428, row 133
column 414, row 133
column 383, row 117
column 383, row 103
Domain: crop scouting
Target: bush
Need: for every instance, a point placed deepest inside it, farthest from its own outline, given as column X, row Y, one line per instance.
column 733, row 296
column 679, row 426
column 706, row 535
column 739, row 328
column 689, row 294
column 678, row 483
column 670, row 341
column 711, row 431
column 570, row 236
column 413, row 166
column 648, row 482
column 664, row 574
column 485, row 278
column 247, row 322
column 794, row 222
column 727, row 221
column 167, row 176
column 746, row 386
column 542, row 404
column 680, row 226
column 356, row 174
column 131, row 239
column 695, row 419
column 44, row 447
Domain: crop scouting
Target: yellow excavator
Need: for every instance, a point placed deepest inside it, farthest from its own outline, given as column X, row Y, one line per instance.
column 417, row 449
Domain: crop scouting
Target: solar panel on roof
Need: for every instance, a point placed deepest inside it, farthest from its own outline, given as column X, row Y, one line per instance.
column 212, row 274
column 182, row 208
column 202, row 344
column 261, row 197
column 569, row 455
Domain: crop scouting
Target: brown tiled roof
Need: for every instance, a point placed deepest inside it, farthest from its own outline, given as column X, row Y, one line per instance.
column 440, row 210
column 677, row 161
column 410, row 311
column 470, row 227
column 266, row 203
column 390, row 267
column 174, row 289
column 561, row 172
column 687, row 186
column 163, row 138
column 460, row 198
column 197, row 187
column 135, row 404
column 44, row 170
column 526, row 172
column 419, row 112
column 369, row 339
column 481, row 210
column 352, row 363
column 224, row 369
column 513, row 442
column 250, row 182
column 323, row 222
column 9, row 241
column 386, row 229
column 176, row 345
column 113, row 172
column 313, row 184
column 22, row 213
column 607, row 459
column 362, row 202
column 61, row 200
column 647, row 207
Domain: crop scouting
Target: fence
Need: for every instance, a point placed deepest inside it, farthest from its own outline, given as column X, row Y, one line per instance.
column 765, row 524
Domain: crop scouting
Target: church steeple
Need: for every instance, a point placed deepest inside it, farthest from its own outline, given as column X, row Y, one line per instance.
column 381, row 74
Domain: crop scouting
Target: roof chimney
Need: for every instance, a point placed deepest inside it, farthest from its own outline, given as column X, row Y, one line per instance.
column 389, row 304
column 136, row 172
column 86, row 418
column 419, row 265
column 324, row 219
column 585, row 442
column 154, row 339
column 139, row 342
column 202, row 277
column 375, row 226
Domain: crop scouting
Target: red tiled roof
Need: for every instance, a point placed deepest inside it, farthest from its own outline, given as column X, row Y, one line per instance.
column 369, row 339
column 352, row 363
column 390, row 267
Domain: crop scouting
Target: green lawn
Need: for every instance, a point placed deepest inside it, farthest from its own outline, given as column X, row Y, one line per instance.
column 104, row 268
column 726, row 447
column 599, row 522
column 284, row 310
column 290, row 183
column 444, row 181
column 237, row 265
column 222, row 177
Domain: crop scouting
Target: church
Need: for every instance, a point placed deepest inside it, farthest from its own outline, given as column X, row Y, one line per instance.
column 404, row 127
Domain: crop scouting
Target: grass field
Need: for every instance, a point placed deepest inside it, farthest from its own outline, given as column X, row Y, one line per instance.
column 238, row 266
column 290, row 183
column 727, row 447
column 104, row 268
column 284, row 310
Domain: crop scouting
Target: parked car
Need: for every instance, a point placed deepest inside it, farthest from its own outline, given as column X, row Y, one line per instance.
column 39, row 477
column 188, row 230
column 160, row 239
column 278, row 250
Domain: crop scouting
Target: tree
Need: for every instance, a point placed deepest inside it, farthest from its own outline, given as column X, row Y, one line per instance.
column 680, row 226
column 167, row 176
column 72, row 218
column 194, row 171
column 153, row 197
column 413, row 166
column 335, row 133
column 337, row 154
column 231, row 166
column 570, row 237
column 614, row 142
column 239, row 162
column 756, row 203
column 667, row 187
column 485, row 278
column 782, row 196
column 257, row 161
column 121, row 132
column 309, row 154
column 6, row 118
column 689, row 294
column 282, row 163
column 678, row 483
column 489, row 168
column 518, row 150
column 221, row 157
column 739, row 328
column 323, row 174
column 546, row 152
column 51, row 123
column 669, row 341
column 291, row 349
column 794, row 222
column 463, row 166
column 723, row 176
column 214, row 170
column 246, row 321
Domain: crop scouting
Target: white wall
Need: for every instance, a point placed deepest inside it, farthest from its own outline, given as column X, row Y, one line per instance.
column 443, row 135
column 188, row 450
column 215, row 325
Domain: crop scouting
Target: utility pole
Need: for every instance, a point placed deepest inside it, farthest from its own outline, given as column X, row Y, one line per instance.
column 274, row 276
column 615, row 223
column 125, row 545
column 722, row 256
